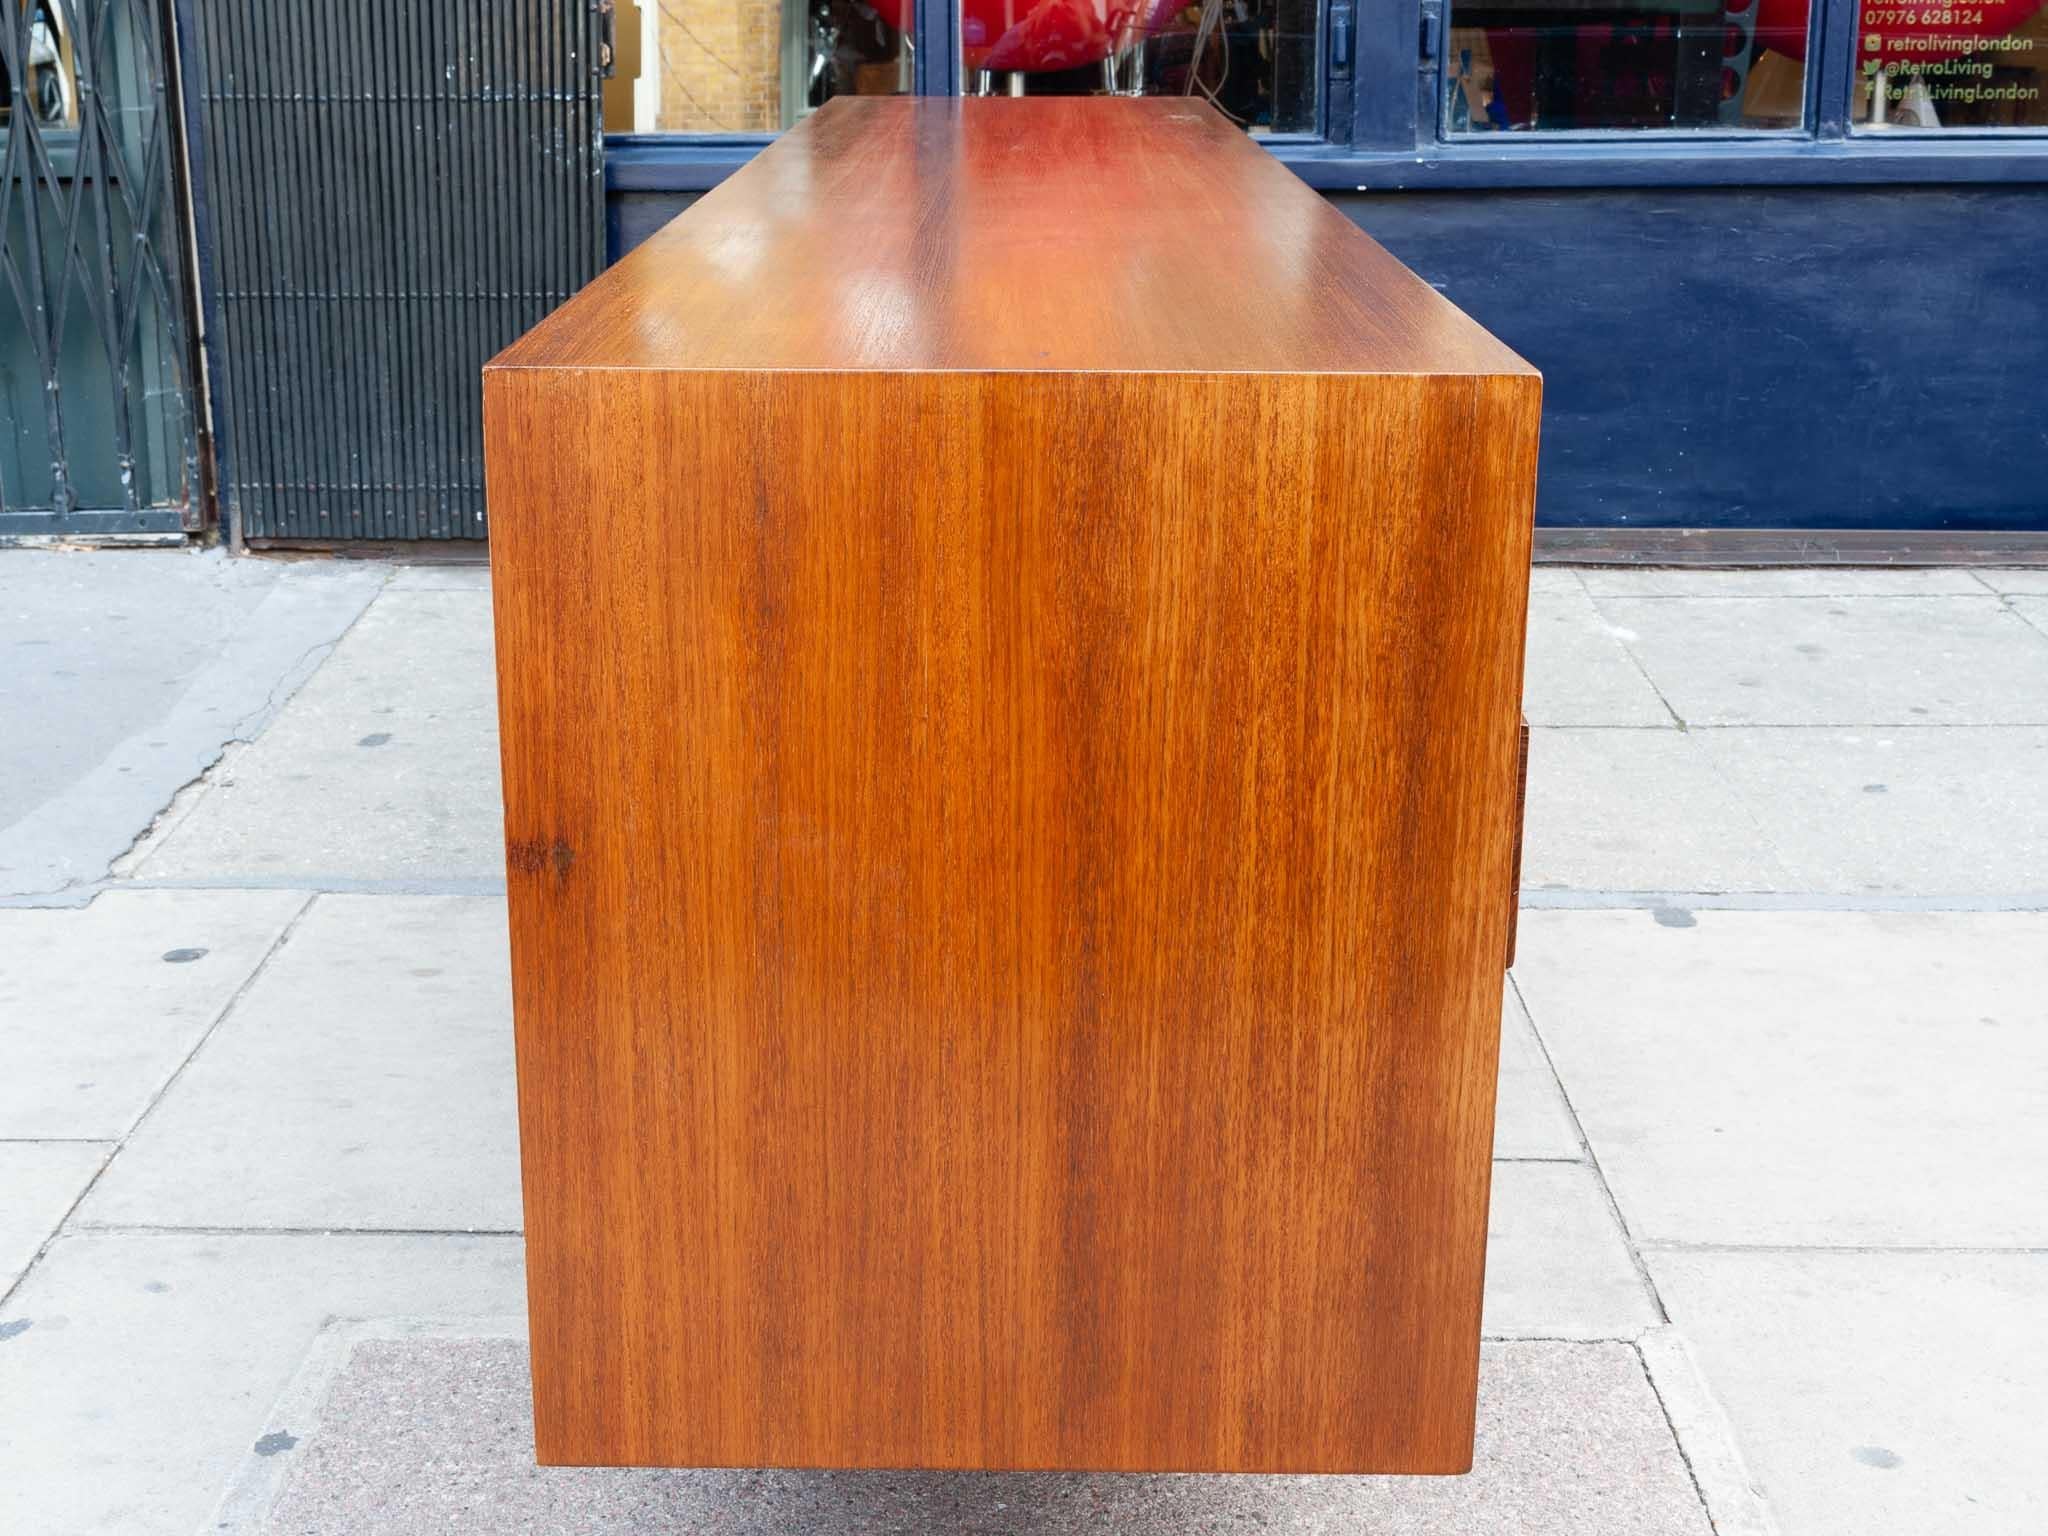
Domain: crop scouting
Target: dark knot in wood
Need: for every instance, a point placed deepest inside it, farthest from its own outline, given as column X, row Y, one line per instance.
column 532, row 856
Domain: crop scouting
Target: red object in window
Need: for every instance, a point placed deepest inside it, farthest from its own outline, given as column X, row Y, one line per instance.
column 1781, row 24
column 1622, row 72
column 1034, row 35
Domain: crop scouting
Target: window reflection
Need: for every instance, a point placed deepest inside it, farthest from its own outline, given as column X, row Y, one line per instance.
column 1979, row 65
column 43, row 42
column 750, row 66
column 1580, row 65
column 1254, row 59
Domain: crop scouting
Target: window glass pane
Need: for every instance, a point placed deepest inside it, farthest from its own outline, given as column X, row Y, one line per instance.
column 1952, row 66
column 1255, row 59
column 1577, row 65
column 750, row 66
column 48, row 89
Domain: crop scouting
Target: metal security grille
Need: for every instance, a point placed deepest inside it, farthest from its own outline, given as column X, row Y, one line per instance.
column 392, row 192
column 96, row 370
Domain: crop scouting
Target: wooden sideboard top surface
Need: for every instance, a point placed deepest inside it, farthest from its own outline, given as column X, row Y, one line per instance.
column 1056, row 234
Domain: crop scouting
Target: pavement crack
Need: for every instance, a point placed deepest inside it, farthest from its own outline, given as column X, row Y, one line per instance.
column 1634, row 660
column 288, row 683
column 1677, row 1440
column 60, row 1229
column 173, row 810
column 304, row 667
column 1628, row 1238
column 2005, row 601
column 65, row 1227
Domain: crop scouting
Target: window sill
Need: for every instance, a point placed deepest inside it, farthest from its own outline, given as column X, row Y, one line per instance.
column 1777, row 160
column 692, row 163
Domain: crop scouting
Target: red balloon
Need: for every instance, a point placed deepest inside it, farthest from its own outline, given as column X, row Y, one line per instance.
column 1781, row 24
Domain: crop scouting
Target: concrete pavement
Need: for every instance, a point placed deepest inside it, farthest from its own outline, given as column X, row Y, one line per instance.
column 127, row 676
column 1767, row 1206
column 399, row 1404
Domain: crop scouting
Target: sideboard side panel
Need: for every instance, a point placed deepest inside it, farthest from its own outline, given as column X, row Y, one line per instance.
column 1005, row 881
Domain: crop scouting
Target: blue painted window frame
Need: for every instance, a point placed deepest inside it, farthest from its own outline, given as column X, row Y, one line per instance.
column 1382, row 135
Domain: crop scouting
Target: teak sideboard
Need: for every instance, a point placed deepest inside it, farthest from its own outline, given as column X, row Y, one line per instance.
column 1009, row 629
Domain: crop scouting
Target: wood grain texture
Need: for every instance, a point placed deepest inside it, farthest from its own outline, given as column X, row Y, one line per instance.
column 1006, row 865
column 1063, row 233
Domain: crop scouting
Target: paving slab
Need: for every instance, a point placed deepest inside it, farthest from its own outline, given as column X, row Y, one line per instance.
column 1634, row 810
column 39, row 1182
column 1931, row 812
column 365, row 1081
column 1798, row 581
column 137, row 1370
column 1557, row 1265
column 1577, row 671
column 384, row 766
column 99, row 1004
column 126, row 672
column 2032, row 579
column 1841, row 661
column 428, row 1435
column 1554, row 578
column 1835, row 1078
column 438, row 576
column 1530, row 1121
column 1877, row 1394
column 2032, row 609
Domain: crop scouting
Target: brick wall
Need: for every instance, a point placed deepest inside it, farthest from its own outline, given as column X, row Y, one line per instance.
column 720, row 66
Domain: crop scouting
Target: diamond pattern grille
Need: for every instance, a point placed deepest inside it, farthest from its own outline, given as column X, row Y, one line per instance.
column 95, row 336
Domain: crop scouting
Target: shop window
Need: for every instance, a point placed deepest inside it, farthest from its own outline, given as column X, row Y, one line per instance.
column 1976, row 66
column 755, row 67
column 1254, row 59
column 1562, row 66
column 750, row 66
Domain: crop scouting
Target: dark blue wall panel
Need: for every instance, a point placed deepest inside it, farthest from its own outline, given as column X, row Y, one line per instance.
column 1781, row 358
column 1798, row 357
column 631, row 217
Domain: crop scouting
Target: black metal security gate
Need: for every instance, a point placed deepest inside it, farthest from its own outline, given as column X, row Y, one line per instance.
column 386, row 195
column 97, row 374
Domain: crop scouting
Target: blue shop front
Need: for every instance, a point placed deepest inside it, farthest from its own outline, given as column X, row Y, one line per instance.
column 1780, row 261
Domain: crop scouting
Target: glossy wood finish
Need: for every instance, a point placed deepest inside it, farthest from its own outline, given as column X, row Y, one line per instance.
column 1009, row 811
column 1065, row 233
